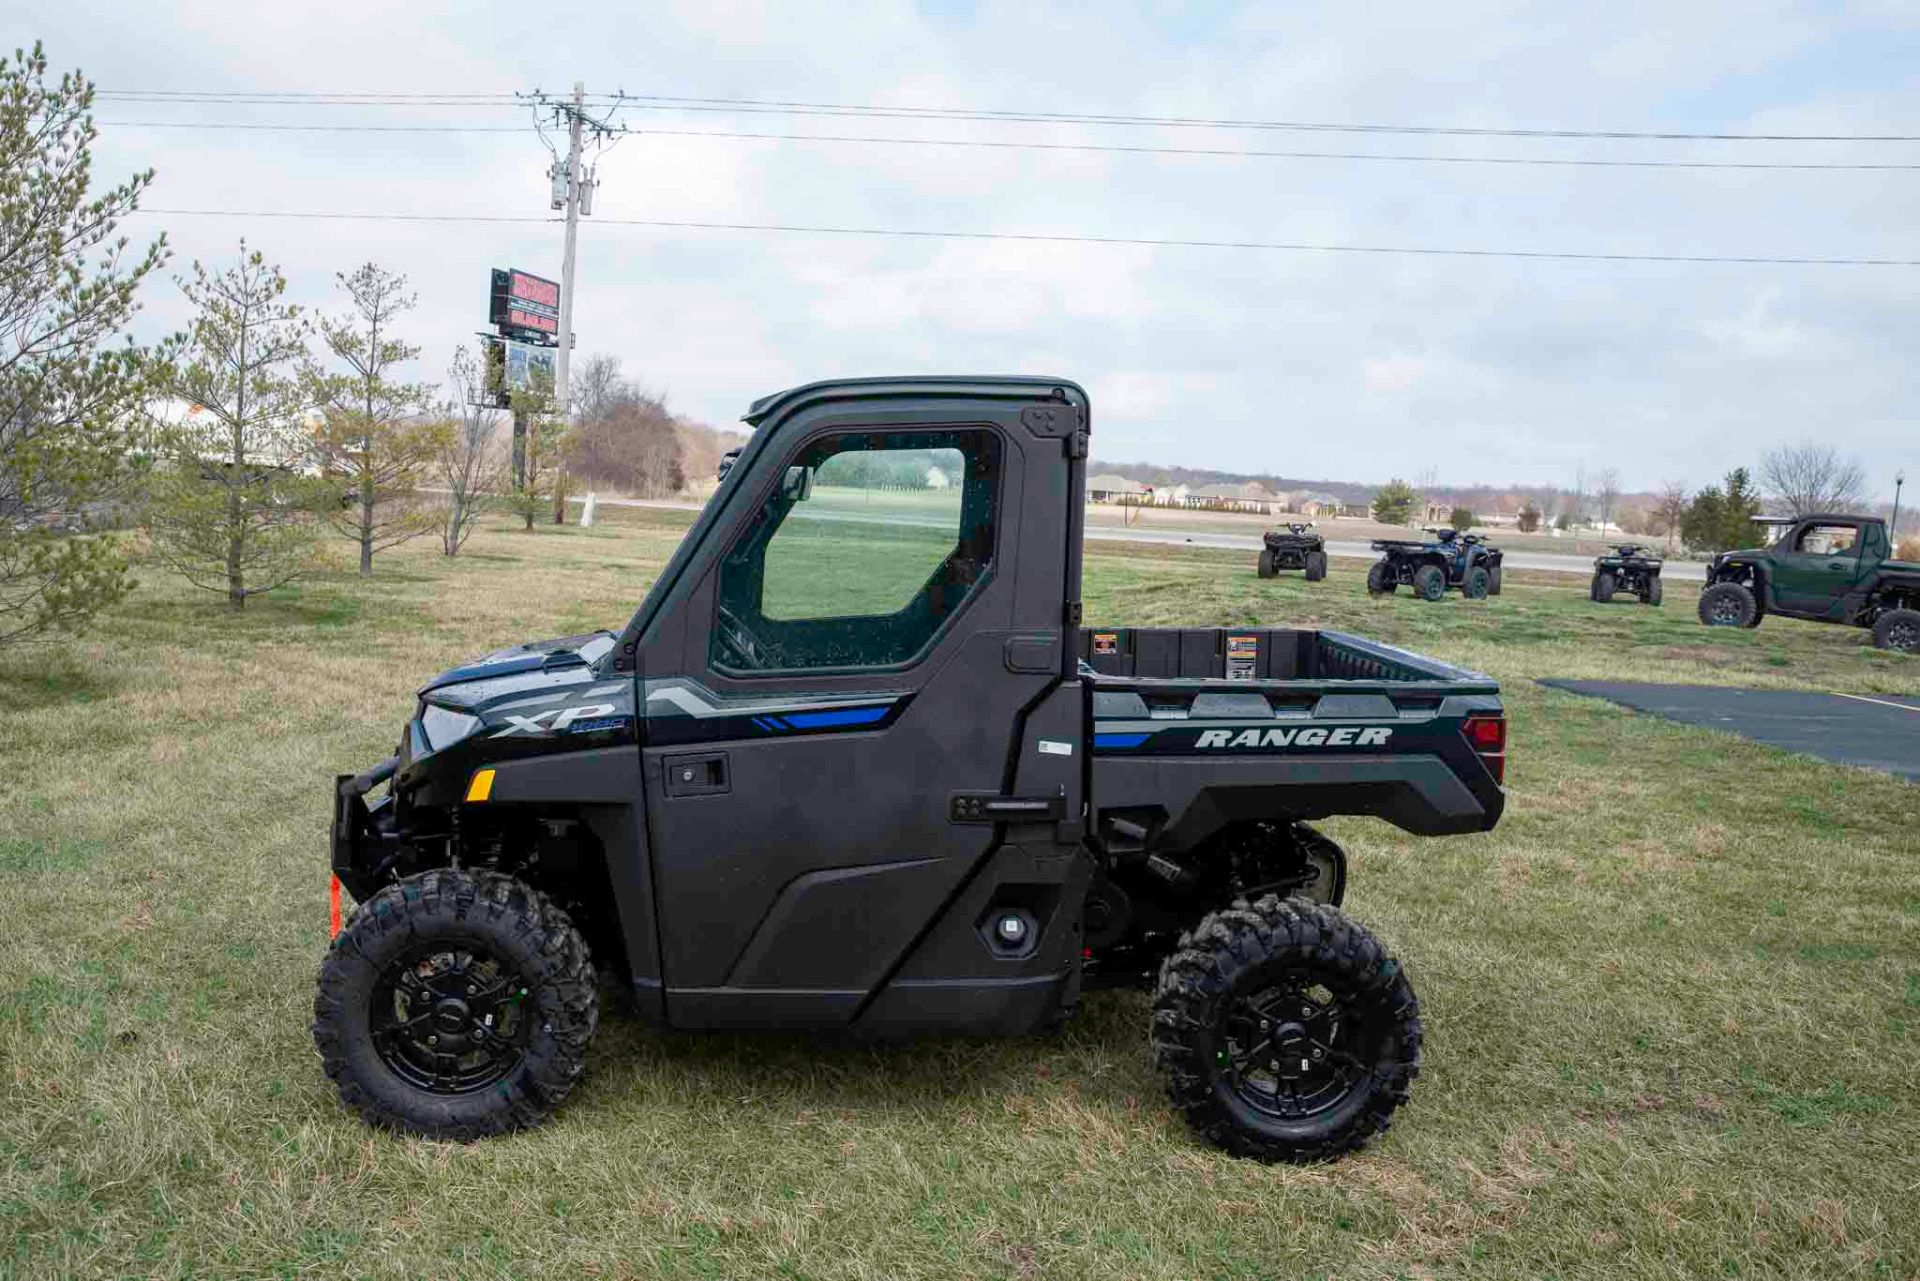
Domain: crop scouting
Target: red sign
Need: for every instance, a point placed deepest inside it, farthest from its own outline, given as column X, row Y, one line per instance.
column 521, row 318
column 537, row 290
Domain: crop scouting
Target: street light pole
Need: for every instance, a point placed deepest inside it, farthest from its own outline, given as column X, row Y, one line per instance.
column 1899, row 479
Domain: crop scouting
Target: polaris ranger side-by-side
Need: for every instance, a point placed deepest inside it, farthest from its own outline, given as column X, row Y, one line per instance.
column 854, row 765
column 1825, row 569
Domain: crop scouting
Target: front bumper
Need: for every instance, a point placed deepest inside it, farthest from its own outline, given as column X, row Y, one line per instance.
column 357, row 840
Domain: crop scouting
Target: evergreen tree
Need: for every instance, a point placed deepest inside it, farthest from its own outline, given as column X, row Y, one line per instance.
column 70, row 395
column 234, row 498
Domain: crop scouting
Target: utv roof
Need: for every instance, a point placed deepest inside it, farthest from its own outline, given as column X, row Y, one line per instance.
column 1022, row 385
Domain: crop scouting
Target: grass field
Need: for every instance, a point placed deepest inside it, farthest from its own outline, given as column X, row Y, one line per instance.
column 1673, row 1001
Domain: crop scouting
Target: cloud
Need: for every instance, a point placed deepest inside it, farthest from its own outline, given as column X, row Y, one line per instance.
column 1238, row 358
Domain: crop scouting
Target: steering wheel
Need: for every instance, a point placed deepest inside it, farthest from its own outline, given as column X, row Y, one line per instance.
column 736, row 640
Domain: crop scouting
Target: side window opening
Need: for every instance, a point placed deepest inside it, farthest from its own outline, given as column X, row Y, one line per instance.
column 870, row 544
column 1828, row 540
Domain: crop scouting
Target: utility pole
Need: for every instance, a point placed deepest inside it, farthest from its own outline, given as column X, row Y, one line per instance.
column 575, row 117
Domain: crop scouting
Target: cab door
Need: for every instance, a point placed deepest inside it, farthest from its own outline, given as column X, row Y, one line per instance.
column 1815, row 571
column 881, row 607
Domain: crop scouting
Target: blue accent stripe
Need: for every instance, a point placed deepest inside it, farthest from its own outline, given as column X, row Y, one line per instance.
column 1120, row 740
column 836, row 718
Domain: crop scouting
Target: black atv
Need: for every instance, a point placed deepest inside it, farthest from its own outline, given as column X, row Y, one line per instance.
column 1298, row 548
column 1452, row 559
column 1629, row 567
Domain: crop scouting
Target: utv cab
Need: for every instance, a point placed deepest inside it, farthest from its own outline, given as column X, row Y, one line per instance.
column 1298, row 548
column 1451, row 560
column 1628, row 567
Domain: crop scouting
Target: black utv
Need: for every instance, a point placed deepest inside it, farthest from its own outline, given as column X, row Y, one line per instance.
column 1627, row 567
column 1298, row 548
column 858, row 768
column 1450, row 560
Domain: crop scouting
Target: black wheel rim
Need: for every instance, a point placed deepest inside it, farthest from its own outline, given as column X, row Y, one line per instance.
column 1293, row 1048
column 450, row 1017
column 1725, row 609
column 1904, row 636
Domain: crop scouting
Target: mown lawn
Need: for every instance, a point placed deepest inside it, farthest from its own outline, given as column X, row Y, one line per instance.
column 1673, row 1002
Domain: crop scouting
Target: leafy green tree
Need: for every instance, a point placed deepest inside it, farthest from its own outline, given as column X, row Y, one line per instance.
column 233, row 501
column 70, row 396
column 1720, row 519
column 375, row 440
column 540, row 451
column 1394, row 504
column 1461, row 518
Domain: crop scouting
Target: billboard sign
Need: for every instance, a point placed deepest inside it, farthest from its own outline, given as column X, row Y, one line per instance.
column 512, row 366
column 523, row 302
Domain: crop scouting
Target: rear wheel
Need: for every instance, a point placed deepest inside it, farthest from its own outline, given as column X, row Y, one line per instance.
column 1429, row 582
column 1478, row 583
column 1285, row 1030
column 1493, row 586
column 1604, row 585
column 1380, row 579
column 1728, row 605
column 1898, row 630
column 456, row 1005
column 1652, row 595
column 1267, row 568
column 1316, row 566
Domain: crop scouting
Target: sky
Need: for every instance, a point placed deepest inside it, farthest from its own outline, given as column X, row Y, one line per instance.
column 1309, row 364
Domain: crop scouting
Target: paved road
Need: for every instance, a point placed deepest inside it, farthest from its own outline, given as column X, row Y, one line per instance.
column 1880, row 731
column 1550, row 562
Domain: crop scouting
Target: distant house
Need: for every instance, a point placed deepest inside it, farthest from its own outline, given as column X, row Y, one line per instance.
column 1315, row 503
column 1109, row 488
column 1171, row 495
column 1244, row 496
column 937, row 479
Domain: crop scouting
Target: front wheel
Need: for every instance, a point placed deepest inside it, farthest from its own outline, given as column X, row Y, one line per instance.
column 1652, row 594
column 1267, row 568
column 1728, row 605
column 1285, row 1031
column 1429, row 582
column 456, row 1005
column 1316, row 566
column 1898, row 630
column 1603, row 586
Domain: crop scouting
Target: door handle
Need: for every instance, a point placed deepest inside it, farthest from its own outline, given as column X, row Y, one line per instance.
column 704, row 774
column 1835, row 567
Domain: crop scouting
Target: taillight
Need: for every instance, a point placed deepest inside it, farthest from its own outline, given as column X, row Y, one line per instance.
column 1488, row 736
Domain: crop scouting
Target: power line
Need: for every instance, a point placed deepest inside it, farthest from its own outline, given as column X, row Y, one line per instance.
column 1065, row 238
column 663, row 102
column 1116, row 148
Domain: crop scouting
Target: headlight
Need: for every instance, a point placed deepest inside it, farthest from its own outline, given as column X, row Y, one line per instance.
column 444, row 728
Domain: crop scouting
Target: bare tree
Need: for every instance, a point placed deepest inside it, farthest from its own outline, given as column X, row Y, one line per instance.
column 1668, row 510
column 468, row 466
column 1812, row 477
column 1606, row 491
column 373, row 439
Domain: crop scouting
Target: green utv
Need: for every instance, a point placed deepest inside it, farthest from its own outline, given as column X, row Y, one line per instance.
column 1825, row 569
column 855, row 766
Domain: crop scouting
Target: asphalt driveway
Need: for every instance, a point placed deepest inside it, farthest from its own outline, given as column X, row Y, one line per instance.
column 1880, row 731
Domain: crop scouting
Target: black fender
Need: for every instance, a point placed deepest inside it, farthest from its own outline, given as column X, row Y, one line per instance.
column 602, row 788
